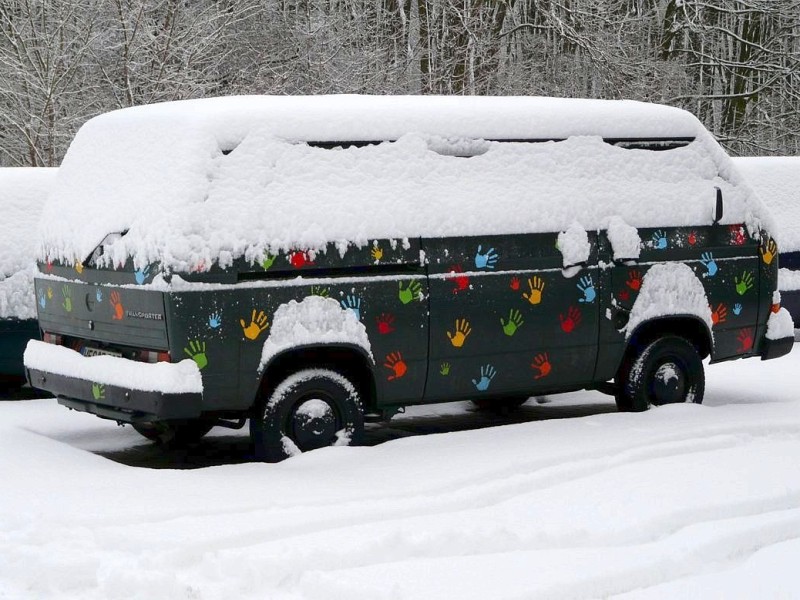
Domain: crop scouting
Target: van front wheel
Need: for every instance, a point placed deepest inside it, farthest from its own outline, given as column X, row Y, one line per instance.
column 668, row 370
column 310, row 409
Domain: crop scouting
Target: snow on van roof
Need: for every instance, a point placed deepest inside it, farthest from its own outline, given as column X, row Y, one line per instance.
column 776, row 180
column 196, row 181
column 23, row 192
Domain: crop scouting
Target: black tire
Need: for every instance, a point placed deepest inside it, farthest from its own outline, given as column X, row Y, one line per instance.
column 668, row 370
column 177, row 432
column 310, row 409
column 500, row 405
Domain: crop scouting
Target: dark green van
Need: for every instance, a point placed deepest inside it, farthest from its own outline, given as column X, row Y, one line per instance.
column 310, row 263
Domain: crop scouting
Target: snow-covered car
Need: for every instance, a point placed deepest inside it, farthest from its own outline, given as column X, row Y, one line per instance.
column 321, row 261
column 777, row 181
column 23, row 192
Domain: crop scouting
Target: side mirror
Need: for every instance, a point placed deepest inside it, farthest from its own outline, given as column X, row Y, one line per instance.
column 718, row 207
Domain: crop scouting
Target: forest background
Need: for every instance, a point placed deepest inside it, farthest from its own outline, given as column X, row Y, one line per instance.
column 735, row 64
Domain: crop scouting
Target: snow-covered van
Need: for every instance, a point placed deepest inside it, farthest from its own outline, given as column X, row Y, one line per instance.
column 312, row 263
column 776, row 179
column 23, row 192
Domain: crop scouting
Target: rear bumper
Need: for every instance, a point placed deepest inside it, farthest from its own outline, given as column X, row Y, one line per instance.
column 776, row 348
column 116, row 388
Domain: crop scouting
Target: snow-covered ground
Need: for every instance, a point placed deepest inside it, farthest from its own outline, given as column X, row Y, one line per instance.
column 679, row 502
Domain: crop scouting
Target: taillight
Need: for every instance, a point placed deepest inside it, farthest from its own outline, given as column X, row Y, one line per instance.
column 52, row 338
column 775, row 307
column 151, row 356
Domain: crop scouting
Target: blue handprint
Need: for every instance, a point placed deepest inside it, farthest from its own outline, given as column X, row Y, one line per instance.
column 709, row 263
column 352, row 303
column 214, row 320
column 487, row 374
column 659, row 240
column 98, row 293
column 737, row 309
column 487, row 260
column 142, row 274
column 586, row 285
column 42, row 298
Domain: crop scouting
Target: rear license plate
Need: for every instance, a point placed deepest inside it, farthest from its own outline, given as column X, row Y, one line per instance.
column 89, row 351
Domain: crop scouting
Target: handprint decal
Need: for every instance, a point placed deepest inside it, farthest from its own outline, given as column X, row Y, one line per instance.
column 745, row 339
column 444, row 369
column 353, row 304
column 707, row 260
column 197, row 352
column 514, row 284
column 98, row 294
column 768, row 251
column 624, row 295
column 514, row 322
column 214, row 320
column 738, row 236
column 659, row 240
column 258, row 323
column 692, row 238
column 463, row 330
column 536, row 285
column 487, row 374
column 385, row 323
column 322, row 292
column 116, row 304
column 571, row 320
column 42, row 298
column 376, row 253
column 586, row 285
column 460, row 281
column 634, row 281
column 98, row 391
column 744, row 283
column 396, row 364
column 486, row 260
column 66, row 291
column 410, row 292
column 300, row 258
column 541, row 364
column 49, row 293
column 78, row 266
column 268, row 261
column 141, row 275
column 719, row 314
column 737, row 309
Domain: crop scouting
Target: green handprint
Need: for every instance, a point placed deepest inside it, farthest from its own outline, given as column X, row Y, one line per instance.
column 444, row 369
column 514, row 322
column 318, row 290
column 98, row 391
column 268, row 261
column 413, row 290
column 745, row 283
column 66, row 291
column 197, row 352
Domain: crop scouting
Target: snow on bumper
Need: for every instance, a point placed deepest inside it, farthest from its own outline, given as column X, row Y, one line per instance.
column 115, row 388
column 780, row 335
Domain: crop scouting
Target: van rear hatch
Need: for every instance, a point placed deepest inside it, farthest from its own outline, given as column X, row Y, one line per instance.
column 107, row 315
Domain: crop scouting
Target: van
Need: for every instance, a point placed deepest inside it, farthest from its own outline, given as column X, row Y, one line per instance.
column 312, row 263
column 23, row 191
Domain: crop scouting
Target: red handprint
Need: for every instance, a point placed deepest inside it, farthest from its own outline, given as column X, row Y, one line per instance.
column 116, row 304
column 460, row 280
column 541, row 363
column 396, row 364
column 634, row 280
column 745, row 339
column 300, row 258
column 737, row 235
column 385, row 323
column 719, row 314
column 514, row 285
column 624, row 295
column 692, row 239
column 571, row 321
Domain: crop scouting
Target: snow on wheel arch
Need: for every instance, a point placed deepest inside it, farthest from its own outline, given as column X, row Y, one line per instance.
column 670, row 290
column 313, row 321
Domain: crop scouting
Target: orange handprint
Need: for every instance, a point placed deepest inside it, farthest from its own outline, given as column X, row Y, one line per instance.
column 396, row 364
column 258, row 323
column 536, row 285
column 541, row 363
column 768, row 251
column 116, row 304
column 719, row 314
column 463, row 329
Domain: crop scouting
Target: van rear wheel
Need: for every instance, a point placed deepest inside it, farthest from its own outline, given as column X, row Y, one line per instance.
column 668, row 370
column 310, row 409
column 177, row 432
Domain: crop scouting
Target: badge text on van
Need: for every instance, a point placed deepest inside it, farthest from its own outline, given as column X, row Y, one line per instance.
column 137, row 314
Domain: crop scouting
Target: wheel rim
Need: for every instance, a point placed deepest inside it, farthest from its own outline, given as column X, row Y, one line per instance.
column 314, row 423
column 668, row 383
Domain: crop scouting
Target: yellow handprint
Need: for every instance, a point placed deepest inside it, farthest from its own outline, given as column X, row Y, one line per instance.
column 463, row 329
column 768, row 251
column 258, row 323
column 536, row 284
column 377, row 252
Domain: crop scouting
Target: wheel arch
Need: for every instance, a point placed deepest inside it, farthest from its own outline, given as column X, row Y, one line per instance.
column 688, row 326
